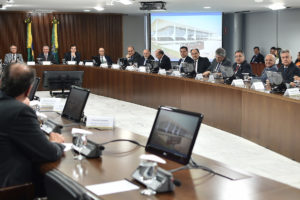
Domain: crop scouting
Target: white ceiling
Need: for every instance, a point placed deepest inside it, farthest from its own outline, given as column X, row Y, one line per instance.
column 172, row 5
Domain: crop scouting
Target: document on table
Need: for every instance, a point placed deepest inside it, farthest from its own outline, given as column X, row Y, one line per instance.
column 68, row 146
column 112, row 187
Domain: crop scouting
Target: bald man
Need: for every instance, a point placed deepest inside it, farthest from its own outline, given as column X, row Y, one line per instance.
column 101, row 58
column 147, row 57
column 132, row 55
column 270, row 66
column 23, row 144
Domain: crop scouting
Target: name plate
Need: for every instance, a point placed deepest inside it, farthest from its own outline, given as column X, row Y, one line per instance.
column 30, row 63
column 104, row 65
column 100, row 122
column 71, row 62
column 80, row 63
column 211, row 78
column 142, row 69
column 238, row 83
column 115, row 66
column 258, row 86
column 89, row 64
column 199, row 76
column 49, row 102
column 292, row 92
column 130, row 68
column 162, row 72
column 46, row 62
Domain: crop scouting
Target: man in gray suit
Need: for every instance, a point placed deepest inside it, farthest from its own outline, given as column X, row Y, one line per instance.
column 13, row 56
column 219, row 60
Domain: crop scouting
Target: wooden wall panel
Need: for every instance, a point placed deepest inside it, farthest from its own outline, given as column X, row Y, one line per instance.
column 87, row 31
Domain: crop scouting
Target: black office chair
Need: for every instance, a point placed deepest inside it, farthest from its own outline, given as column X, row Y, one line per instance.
column 60, row 187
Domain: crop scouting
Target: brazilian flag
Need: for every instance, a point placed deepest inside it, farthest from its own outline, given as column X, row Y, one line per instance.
column 29, row 42
column 54, row 39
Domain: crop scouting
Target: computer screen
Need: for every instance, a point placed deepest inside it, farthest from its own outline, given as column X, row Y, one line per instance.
column 75, row 103
column 174, row 133
column 170, row 31
column 57, row 80
column 34, row 88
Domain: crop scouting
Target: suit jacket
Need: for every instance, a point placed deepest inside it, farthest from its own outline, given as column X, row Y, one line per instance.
column 135, row 57
column 165, row 63
column 23, row 144
column 203, row 64
column 214, row 64
column 187, row 59
column 258, row 59
column 9, row 56
column 98, row 61
column 244, row 68
column 142, row 60
column 49, row 58
column 264, row 76
column 68, row 56
column 292, row 70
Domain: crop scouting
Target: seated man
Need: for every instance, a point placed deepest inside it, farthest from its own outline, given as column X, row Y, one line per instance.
column 164, row 61
column 184, row 57
column 258, row 57
column 288, row 68
column 270, row 66
column 147, row 57
column 13, row 56
column 241, row 66
column 47, row 55
column 201, row 63
column 102, row 58
column 23, row 144
column 273, row 51
column 72, row 55
column 219, row 60
column 132, row 56
column 297, row 61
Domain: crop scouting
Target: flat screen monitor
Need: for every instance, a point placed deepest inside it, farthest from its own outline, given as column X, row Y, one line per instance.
column 75, row 103
column 174, row 133
column 34, row 88
column 60, row 80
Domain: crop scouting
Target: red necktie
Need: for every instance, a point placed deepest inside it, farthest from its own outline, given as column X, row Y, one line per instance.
column 237, row 67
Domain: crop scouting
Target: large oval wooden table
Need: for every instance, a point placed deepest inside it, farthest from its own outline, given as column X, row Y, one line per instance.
column 269, row 120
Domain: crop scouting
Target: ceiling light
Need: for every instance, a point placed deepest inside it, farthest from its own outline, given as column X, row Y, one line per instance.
column 206, row 7
column 259, row 1
column 277, row 6
column 86, row 10
column 125, row 2
column 99, row 8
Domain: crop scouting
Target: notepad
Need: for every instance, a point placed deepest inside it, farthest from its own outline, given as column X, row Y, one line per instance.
column 112, row 187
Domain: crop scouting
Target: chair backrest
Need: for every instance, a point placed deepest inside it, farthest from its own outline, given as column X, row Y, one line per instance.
column 18, row 192
column 60, row 187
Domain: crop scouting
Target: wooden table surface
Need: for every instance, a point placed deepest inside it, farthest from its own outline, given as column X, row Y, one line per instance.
column 269, row 120
column 120, row 159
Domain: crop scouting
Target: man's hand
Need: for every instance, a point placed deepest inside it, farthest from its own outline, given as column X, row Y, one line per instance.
column 206, row 74
column 55, row 137
column 26, row 101
column 292, row 84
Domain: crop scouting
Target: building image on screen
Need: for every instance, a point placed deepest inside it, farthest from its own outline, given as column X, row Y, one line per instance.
column 195, row 30
column 174, row 132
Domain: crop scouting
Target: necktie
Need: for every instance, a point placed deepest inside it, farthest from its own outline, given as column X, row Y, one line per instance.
column 46, row 57
column 101, row 59
column 72, row 58
column 14, row 57
column 218, row 67
column 237, row 67
column 196, row 65
column 145, row 61
column 285, row 71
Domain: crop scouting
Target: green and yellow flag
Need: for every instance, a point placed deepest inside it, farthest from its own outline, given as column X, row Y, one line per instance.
column 29, row 42
column 54, row 39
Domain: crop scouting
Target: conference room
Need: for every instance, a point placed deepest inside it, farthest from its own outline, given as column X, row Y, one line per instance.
column 126, row 99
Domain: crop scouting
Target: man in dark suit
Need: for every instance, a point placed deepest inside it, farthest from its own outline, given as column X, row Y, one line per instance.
column 147, row 58
column 23, row 144
column 72, row 55
column 201, row 63
column 132, row 56
column 241, row 66
column 219, row 60
column 288, row 69
column 102, row 58
column 47, row 55
column 258, row 57
column 184, row 57
column 164, row 61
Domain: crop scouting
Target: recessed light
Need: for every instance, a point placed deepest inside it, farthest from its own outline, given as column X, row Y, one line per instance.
column 99, row 8
column 86, row 10
column 259, row 1
column 206, row 7
column 125, row 2
column 277, row 6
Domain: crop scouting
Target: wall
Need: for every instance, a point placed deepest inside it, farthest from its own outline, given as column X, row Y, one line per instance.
column 264, row 30
column 134, row 33
column 87, row 31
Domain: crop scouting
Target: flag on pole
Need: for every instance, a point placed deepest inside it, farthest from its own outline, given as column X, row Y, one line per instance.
column 29, row 42
column 54, row 39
